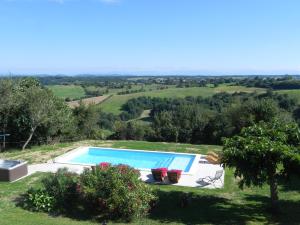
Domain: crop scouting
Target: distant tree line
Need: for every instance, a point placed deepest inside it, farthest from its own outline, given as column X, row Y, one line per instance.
column 275, row 83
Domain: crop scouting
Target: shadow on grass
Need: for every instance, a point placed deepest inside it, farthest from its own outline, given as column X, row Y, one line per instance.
column 192, row 208
column 289, row 211
column 200, row 209
column 76, row 212
column 293, row 184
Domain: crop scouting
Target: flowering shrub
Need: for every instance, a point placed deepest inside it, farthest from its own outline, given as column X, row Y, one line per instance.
column 116, row 192
column 104, row 165
column 112, row 191
column 38, row 200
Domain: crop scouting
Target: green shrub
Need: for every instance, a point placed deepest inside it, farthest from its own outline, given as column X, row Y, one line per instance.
column 62, row 186
column 38, row 200
column 116, row 192
column 113, row 192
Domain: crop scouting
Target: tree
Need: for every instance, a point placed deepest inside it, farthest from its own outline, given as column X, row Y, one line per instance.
column 86, row 118
column 263, row 153
column 30, row 112
column 39, row 104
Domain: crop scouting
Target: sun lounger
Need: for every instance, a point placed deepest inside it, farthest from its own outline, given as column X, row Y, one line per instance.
column 211, row 180
column 213, row 158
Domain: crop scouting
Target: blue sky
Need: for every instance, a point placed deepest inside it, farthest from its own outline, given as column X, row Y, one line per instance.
column 150, row 36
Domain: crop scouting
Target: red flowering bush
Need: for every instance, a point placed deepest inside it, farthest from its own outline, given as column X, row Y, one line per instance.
column 116, row 192
column 104, row 165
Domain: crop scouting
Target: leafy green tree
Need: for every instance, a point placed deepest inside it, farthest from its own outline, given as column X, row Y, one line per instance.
column 29, row 111
column 164, row 127
column 86, row 119
column 40, row 105
column 263, row 153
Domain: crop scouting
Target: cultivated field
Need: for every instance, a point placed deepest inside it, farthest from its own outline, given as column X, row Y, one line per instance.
column 115, row 103
column 88, row 101
column 67, row 91
column 134, row 87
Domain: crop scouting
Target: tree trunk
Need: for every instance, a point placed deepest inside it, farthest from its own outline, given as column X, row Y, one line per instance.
column 29, row 138
column 274, row 193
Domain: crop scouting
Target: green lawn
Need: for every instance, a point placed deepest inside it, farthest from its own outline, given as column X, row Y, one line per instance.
column 115, row 103
column 229, row 205
column 67, row 91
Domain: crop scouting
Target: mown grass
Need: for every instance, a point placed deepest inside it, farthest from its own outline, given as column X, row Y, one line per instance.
column 114, row 104
column 67, row 91
column 228, row 205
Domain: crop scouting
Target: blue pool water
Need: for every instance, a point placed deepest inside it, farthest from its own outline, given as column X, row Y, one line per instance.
column 136, row 159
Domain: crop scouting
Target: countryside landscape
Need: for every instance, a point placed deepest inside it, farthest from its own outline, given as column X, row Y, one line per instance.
column 149, row 112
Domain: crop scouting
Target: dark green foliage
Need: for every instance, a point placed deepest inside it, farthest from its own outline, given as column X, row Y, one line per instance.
column 58, row 193
column 198, row 120
column 86, row 118
column 276, row 83
column 134, row 130
column 203, row 120
column 32, row 113
column 38, row 200
column 296, row 114
column 62, row 186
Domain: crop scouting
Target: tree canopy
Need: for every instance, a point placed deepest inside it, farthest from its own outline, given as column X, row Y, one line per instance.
column 30, row 111
column 264, row 153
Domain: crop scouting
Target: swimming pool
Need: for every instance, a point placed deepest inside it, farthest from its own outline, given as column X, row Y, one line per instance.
column 136, row 158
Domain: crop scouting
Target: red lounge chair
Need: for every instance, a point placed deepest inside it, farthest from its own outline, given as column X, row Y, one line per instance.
column 159, row 174
column 174, row 175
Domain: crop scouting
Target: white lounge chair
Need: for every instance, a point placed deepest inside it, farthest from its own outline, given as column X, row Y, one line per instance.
column 211, row 180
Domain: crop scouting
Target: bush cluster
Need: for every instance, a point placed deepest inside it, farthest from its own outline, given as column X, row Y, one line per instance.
column 114, row 192
column 38, row 200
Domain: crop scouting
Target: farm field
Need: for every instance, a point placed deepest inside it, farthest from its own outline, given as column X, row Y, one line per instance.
column 134, row 87
column 115, row 103
column 228, row 205
column 88, row 101
column 67, row 91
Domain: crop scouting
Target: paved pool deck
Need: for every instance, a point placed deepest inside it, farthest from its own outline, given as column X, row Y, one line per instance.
column 203, row 169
